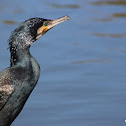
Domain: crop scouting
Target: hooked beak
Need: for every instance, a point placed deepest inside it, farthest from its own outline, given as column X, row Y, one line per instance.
column 47, row 25
column 55, row 22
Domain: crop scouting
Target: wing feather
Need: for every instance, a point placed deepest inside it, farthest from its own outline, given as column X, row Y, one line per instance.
column 6, row 88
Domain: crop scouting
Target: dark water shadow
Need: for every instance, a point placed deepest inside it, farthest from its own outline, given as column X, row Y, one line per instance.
column 110, row 2
column 19, row 11
column 119, row 15
column 106, row 19
column 110, row 17
column 109, row 35
column 11, row 22
column 93, row 61
column 74, row 6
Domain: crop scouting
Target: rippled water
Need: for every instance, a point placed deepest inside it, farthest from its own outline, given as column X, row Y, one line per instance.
column 83, row 73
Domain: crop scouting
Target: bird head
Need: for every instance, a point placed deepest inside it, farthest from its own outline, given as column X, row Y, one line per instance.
column 30, row 30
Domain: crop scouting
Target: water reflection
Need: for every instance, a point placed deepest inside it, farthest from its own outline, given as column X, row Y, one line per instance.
column 110, row 35
column 93, row 61
column 119, row 15
column 110, row 17
column 74, row 6
column 11, row 22
column 19, row 11
column 110, row 2
column 105, row 19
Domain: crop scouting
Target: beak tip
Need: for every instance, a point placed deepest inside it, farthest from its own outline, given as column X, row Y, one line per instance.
column 67, row 17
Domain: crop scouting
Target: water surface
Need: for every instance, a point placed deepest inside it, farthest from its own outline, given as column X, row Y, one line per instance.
column 83, row 73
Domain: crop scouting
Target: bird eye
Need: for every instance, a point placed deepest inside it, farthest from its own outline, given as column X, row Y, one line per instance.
column 45, row 23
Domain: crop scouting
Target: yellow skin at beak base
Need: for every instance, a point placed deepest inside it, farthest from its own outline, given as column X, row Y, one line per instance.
column 43, row 29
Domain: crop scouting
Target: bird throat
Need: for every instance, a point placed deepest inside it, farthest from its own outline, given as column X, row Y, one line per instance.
column 18, row 56
column 14, row 56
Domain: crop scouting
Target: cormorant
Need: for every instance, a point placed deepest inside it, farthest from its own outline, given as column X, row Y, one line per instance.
column 18, row 80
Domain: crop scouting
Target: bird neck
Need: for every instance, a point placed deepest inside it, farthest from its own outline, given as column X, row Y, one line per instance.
column 19, row 57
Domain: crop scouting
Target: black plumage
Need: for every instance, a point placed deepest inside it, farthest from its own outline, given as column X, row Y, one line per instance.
column 18, row 80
